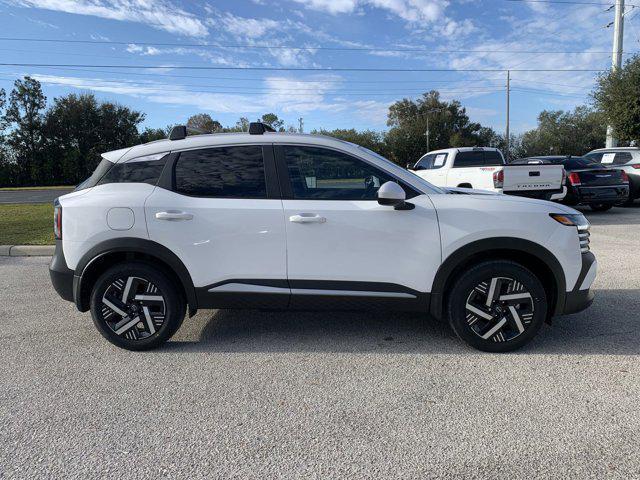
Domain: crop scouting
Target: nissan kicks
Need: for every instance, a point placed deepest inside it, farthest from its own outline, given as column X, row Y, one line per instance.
column 265, row 220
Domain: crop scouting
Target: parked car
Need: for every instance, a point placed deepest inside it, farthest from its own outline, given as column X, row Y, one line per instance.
column 588, row 182
column 625, row 158
column 290, row 221
column 485, row 169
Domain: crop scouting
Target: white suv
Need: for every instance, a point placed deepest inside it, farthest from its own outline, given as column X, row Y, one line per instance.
column 286, row 221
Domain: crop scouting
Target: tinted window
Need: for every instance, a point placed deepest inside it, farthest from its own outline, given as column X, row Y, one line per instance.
column 596, row 157
column 322, row 174
column 492, row 158
column 225, row 172
column 577, row 163
column 134, row 172
column 615, row 158
column 103, row 167
column 431, row 161
column 469, row 159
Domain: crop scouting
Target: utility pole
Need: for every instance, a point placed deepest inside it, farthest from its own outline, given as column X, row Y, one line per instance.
column 428, row 134
column 508, row 100
column 616, row 59
column 300, row 125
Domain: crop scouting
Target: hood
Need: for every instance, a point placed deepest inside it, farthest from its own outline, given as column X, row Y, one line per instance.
column 501, row 197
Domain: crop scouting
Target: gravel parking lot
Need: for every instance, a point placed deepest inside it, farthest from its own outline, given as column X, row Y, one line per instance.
column 304, row 395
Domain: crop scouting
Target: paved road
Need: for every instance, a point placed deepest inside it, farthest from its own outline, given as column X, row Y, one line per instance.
column 303, row 395
column 32, row 196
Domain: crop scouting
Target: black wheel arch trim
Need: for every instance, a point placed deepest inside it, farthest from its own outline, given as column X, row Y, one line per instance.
column 485, row 246
column 133, row 245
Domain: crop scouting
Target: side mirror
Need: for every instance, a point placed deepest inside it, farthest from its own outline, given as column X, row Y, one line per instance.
column 392, row 195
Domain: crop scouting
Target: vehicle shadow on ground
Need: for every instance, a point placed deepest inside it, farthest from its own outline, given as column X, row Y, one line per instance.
column 609, row 327
column 615, row 216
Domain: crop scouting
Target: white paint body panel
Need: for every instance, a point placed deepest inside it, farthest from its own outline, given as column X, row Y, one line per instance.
column 84, row 217
column 364, row 241
column 226, row 238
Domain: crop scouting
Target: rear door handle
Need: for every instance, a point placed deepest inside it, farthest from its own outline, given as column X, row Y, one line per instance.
column 307, row 218
column 174, row 216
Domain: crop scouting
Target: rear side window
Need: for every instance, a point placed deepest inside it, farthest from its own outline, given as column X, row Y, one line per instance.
column 323, row 174
column 492, row 158
column 469, row 159
column 223, row 172
column 615, row 158
column 431, row 161
column 135, row 171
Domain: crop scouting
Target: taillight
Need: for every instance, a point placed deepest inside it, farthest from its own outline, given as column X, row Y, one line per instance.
column 564, row 177
column 57, row 222
column 625, row 177
column 498, row 179
column 636, row 166
column 574, row 179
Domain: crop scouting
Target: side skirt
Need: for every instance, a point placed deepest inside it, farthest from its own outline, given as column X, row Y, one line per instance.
column 311, row 295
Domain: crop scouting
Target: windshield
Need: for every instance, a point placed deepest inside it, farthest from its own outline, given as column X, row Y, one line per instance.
column 401, row 171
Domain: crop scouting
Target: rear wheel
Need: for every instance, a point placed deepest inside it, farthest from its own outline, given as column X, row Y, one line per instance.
column 136, row 306
column 600, row 207
column 497, row 306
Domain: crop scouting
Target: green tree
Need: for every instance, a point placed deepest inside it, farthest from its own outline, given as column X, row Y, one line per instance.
column 272, row 120
column 617, row 96
column 449, row 126
column 368, row 138
column 204, row 123
column 564, row 133
column 151, row 134
column 79, row 129
column 24, row 117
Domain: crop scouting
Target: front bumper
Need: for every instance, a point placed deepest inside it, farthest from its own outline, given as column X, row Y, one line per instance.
column 581, row 296
column 61, row 275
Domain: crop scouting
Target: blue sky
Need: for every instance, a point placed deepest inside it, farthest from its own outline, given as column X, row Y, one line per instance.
column 491, row 34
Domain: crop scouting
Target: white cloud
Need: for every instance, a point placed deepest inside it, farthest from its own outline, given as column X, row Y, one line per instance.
column 161, row 14
column 409, row 10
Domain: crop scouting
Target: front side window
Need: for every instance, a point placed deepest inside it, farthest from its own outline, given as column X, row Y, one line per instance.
column 473, row 158
column 222, row 172
column 322, row 174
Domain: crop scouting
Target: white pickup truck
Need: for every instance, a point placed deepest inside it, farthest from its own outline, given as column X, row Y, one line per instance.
column 484, row 168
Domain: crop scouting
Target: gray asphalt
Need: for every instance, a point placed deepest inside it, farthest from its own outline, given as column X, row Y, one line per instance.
column 303, row 395
column 32, row 196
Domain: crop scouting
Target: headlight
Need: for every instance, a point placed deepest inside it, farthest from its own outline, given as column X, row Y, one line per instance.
column 571, row 220
column 580, row 222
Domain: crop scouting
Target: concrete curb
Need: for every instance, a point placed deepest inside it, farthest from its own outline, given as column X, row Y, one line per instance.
column 26, row 250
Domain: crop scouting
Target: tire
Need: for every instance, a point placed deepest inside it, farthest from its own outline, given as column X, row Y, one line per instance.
column 600, row 207
column 507, row 323
column 149, row 295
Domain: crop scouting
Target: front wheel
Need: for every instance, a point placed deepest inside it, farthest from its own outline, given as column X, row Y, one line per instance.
column 136, row 306
column 600, row 207
column 497, row 306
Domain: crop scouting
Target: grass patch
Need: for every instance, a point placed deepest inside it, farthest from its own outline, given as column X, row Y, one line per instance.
column 26, row 224
column 59, row 187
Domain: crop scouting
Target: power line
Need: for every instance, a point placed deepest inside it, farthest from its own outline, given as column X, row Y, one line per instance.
column 289, row 47
column 567, row 2
column 295, row 69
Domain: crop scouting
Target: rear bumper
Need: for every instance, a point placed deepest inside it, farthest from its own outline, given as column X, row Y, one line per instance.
column 61, row 275
column 581, row 296
column 539, row 194
column 611, row 194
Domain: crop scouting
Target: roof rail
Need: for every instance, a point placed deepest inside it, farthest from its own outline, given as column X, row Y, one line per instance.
column 258, row 128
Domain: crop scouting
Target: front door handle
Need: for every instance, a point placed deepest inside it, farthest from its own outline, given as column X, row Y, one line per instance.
column 174, row 216
column 307, row 218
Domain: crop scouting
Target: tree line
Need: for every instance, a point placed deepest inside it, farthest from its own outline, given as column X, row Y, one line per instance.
column 60, row 143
